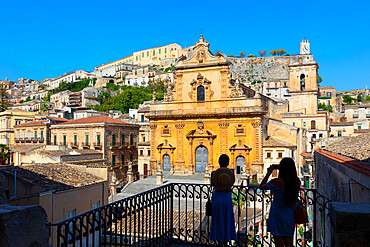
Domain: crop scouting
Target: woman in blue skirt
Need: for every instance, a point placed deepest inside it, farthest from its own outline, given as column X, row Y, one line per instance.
column 223, row 222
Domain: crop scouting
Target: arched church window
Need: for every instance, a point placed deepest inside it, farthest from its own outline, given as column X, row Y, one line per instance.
column 303, row 82
column 200, row 93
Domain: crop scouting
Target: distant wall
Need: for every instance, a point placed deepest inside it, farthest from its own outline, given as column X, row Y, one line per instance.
column 339, row 182
column 99, row 171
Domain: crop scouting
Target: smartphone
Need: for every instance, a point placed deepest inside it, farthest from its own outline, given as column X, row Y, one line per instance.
column 275, row 166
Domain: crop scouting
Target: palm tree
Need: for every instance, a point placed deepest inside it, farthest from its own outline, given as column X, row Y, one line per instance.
column 4, row 154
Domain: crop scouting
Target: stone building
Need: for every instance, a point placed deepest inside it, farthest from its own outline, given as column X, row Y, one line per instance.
column 117, row 140
column 328, row 96
column 35, row 132
column 10, row 118
column 205, row 115
column 357, row 112
column 63, row 191
column 144, row 139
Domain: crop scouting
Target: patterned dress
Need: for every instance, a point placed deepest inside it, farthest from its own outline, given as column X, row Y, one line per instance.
column 281, row 218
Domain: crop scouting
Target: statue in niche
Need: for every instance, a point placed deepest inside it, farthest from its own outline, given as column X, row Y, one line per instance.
column 201, row 55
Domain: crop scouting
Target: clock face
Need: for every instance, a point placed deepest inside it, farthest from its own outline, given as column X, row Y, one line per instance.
column 305, row 47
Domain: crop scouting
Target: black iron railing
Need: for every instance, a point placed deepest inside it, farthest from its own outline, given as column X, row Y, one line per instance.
column 176, row 213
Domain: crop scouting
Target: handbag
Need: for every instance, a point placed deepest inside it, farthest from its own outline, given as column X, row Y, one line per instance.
column 209, row 208
column 300, row 214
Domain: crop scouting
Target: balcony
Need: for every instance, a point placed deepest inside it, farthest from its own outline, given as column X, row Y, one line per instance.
column 355, row 115
column 97, row 145
column 86, row 145
column 175, row 214
column 113, row 146
column 74, row 145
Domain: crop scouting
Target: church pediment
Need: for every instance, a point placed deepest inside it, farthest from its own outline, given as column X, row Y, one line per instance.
column 201, row 56
column 240, row 146
column 165, row 146
column 200, row 134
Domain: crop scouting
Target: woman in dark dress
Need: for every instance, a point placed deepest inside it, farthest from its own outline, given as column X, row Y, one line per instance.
column 223, row 222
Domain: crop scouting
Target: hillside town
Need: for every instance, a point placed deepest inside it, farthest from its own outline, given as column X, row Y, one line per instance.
column 128, row 130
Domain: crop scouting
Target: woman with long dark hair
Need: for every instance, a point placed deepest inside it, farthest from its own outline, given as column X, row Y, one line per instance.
column 285, row 190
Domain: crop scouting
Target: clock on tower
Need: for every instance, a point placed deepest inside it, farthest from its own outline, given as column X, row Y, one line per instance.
column 305, row 47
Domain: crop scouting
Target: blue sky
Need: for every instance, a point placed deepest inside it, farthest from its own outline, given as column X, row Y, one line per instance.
column 44, row 39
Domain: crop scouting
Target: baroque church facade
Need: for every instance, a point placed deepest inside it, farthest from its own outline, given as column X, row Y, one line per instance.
column 207, row 114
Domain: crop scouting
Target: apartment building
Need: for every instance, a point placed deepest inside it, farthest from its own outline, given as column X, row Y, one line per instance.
column 11, row 118
column 117, row 140
column 69, row 77
column 35, row 132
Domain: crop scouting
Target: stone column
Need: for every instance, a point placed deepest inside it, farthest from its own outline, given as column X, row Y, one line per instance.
column 113, row 184
column 130, row 173
column 211, row 153
column 152, row 161
column 159, row 174
column 207, row 176
column 191, row 165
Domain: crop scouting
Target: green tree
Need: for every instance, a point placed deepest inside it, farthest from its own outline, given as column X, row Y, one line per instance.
column 242, row 54
column 112, row 86
column 325, row 108
column 4, row 154
column 359, row 98
column 3, row 98
column 367, row 98
column 44, row 107
column 347, row 99
column 273, row 52
column 282, row 52
column 251, row 55
column 262, row 53
column 47, row 98
column 319, row 79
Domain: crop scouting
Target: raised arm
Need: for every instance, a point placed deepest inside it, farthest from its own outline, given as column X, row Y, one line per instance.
column 263, row 185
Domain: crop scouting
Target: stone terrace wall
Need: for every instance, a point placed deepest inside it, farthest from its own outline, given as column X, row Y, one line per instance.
column 256, row 69
column 22, row 226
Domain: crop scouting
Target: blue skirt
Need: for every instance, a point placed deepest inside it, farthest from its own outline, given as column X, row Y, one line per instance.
column 223, row 222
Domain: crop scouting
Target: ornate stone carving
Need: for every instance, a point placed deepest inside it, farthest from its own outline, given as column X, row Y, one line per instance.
column 200, row 124
column 223, row 125
column 180, row 126
column 256, row 123
column 168, row 97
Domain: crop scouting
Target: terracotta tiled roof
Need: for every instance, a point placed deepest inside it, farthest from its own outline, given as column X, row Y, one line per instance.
column 24, row 148
column 274, row 142
column 96, row 119
column 357, row 147
column 359, row 166
column 37, row 122
column 59, row 119
column 341, row 123
column 306, row 155
column 53, row 176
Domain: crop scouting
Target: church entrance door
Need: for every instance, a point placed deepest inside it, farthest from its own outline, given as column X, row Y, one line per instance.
column 201, row 159
column 166, row 163
column 240, row 162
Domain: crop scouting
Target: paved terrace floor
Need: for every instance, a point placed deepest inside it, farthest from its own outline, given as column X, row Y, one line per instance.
column 150, row 183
